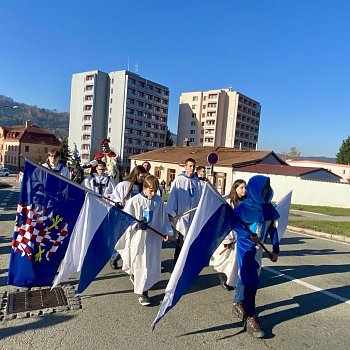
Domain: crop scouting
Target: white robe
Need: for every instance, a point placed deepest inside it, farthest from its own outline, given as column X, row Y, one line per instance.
column 225, row 260
column 185, row 194
column 141, row 249
column 107, row 184
column 121, row 189
column 59, row 168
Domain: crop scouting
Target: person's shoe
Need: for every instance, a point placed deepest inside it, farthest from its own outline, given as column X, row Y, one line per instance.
column 114, row 264
column 144, row 300
column 238, row 310
column 253, row 327
column 226, row 286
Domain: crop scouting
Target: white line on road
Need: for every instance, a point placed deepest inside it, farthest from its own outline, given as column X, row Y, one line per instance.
column 307, row 285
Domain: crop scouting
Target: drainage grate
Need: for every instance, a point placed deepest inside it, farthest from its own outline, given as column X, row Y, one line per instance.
column 35, row 300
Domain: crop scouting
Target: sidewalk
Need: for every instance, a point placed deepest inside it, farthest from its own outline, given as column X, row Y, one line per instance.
column 325, row 235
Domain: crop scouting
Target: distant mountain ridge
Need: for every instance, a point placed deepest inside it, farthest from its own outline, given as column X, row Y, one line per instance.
column 319, row 159
column 56, row 122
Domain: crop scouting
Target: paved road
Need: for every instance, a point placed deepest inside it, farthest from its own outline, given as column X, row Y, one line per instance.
column 303, row 304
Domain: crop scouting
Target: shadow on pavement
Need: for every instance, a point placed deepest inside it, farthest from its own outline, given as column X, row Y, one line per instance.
column 42, row 322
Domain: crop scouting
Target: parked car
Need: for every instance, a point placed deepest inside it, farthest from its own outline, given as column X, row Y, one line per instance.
column 4, row 172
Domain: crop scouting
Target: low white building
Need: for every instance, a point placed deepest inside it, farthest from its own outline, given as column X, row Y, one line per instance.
column 312, row 186
column 339, row 169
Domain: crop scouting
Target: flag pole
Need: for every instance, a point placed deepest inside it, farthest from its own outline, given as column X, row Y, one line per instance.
column 137, row 220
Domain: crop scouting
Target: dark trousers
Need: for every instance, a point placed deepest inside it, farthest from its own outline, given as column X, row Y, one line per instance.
column 249, row 301
column 179, row 244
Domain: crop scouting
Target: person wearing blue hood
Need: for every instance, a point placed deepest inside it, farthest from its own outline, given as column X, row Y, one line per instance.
column 259, row 217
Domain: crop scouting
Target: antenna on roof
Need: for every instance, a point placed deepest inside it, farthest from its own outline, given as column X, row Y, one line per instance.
column 136, row 68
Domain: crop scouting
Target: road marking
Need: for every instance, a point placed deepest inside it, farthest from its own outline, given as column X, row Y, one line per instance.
column 307, row 285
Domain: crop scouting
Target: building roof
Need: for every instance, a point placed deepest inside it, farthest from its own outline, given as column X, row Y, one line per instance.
column 285, row 170
column 227, row 156
column 30, row 134
column 320, row 164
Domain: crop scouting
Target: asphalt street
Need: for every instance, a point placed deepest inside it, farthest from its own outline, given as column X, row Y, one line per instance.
column 303, row 303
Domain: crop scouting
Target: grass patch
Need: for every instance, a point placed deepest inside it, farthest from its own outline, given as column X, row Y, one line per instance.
column 322, row 210
column 338, row 228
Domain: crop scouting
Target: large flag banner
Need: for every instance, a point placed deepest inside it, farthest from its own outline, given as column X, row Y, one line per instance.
column 99, row 227
column 48, row 208
column 282, row 206
column 213, row 220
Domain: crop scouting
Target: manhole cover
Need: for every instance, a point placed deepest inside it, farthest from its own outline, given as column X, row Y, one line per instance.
column 35, row 300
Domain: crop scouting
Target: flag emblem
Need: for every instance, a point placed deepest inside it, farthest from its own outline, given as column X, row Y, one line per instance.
column 37, row 232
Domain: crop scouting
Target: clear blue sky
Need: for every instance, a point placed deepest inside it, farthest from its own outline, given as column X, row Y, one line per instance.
column 291, row 56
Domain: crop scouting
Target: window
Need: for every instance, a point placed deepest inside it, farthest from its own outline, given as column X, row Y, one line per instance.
column 194, row 115
column 195, row 98
column 194, row 106
column 193, row 123
column 26, row 149
column 192, row 131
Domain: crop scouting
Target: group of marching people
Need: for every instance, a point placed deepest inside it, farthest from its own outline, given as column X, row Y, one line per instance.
column 238, row 257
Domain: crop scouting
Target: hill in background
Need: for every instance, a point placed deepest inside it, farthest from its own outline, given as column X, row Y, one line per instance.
column 56, row 122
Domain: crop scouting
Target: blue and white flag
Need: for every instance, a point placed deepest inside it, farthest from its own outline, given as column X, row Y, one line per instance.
column 282, row 206
column 98, row 228
column 48, row 208
column 213, row 220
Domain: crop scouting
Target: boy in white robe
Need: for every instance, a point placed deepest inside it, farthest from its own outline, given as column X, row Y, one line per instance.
column 54, row 163
column 185, row 193
column 140, row 247
column 100, row 182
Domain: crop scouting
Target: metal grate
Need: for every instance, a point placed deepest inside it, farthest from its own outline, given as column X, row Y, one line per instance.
column 35, row 300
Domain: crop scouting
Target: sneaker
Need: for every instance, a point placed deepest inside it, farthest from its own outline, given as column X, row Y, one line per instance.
column 238, row 310
column 253, row 327
column 114, row 264
column 227, row 287
column 144, row 300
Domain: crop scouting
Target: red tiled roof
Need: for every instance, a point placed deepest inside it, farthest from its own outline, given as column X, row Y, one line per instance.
column 286, row 170
column 227, row 156
column 31, row 134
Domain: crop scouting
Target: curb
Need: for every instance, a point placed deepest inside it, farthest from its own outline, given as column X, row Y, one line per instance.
column 325, row 235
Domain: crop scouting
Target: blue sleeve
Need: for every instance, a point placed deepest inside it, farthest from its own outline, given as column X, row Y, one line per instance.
column 272, row 231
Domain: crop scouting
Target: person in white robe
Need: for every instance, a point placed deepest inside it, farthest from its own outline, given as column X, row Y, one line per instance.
column 185, row 193
column 53, row 163
column 100, row 182
column 122, row 193
column 224, row 259
column 140, row 247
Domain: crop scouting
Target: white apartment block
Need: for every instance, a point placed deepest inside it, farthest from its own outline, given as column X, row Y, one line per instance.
column 220, row 117
column 129, row 110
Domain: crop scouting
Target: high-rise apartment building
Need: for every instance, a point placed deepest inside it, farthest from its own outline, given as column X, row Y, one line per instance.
column 218, row 118
column 130, row 110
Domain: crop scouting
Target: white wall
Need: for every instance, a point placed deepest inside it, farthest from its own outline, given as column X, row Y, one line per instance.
column 308, row 192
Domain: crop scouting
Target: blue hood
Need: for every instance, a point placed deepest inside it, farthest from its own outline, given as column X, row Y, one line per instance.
column 257, row 208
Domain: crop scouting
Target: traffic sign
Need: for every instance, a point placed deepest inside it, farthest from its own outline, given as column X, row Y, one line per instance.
column 212, row 158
